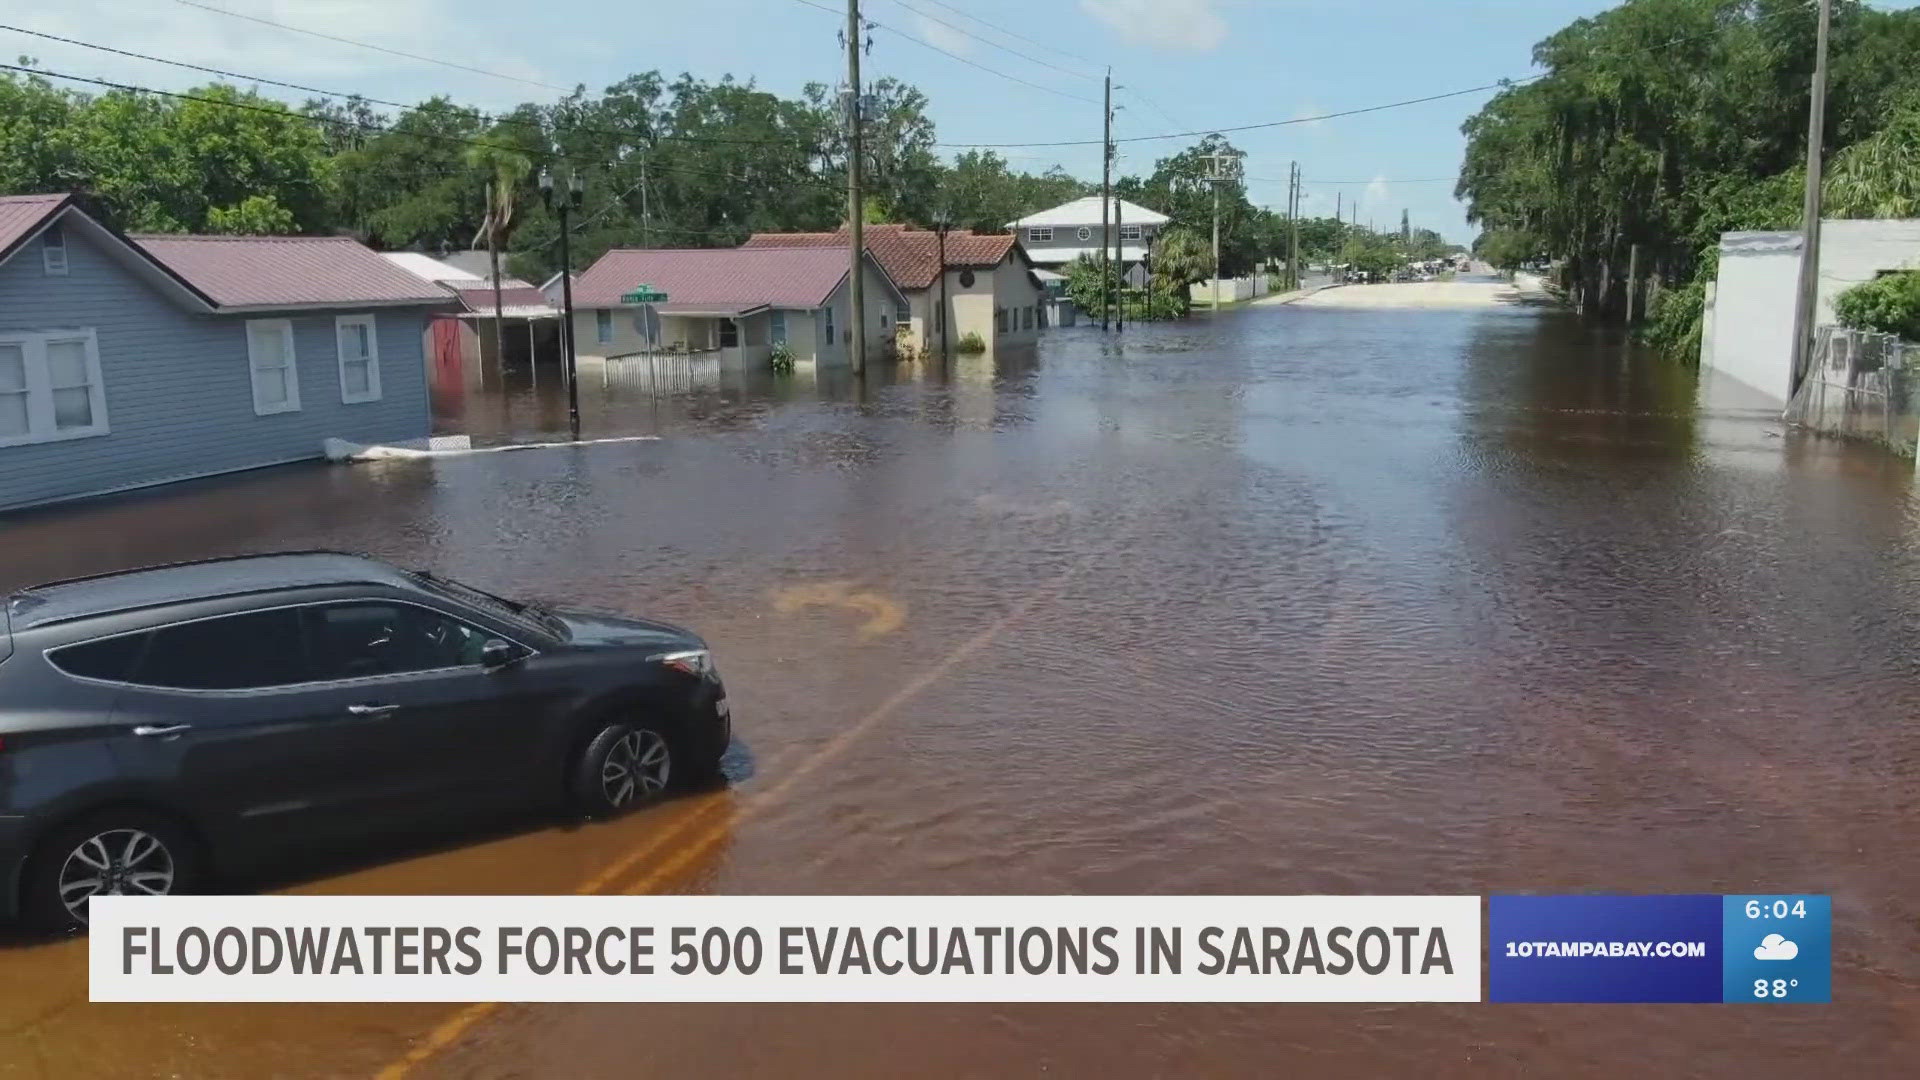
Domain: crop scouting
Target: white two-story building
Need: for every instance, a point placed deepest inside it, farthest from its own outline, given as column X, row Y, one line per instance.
column 1053, row 238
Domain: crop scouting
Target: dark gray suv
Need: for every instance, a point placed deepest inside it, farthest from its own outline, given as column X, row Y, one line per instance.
column 164, row 725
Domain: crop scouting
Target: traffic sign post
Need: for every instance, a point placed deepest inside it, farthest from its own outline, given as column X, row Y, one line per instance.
column 648, row 296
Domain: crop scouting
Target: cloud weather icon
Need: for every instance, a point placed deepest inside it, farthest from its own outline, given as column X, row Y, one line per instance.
column 1775, row 947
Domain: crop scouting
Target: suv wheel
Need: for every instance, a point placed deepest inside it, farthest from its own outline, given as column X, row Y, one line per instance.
column 622, row 766
column 114, row 853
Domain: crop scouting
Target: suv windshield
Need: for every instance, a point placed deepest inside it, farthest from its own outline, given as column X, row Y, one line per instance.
column 514, row 611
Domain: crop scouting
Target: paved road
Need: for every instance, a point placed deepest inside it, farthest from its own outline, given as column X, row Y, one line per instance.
column 1303, row 599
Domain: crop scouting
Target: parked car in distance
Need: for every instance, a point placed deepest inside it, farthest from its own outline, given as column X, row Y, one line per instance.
column 162, row 727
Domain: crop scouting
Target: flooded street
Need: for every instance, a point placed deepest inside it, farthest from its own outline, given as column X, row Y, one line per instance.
column 1291, row 600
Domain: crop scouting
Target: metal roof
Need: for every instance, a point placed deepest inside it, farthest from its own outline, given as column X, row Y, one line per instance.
column 21, row 215
column 796, row 278
column 265, row 272
column 1087, row 212
column 1055, row 256
column 427, row 267
column 910, row 256
column 129, row 590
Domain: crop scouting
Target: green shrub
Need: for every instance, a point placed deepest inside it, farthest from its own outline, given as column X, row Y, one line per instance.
column 781, row 358
column 970, row 343
column 1889, row 304
column 1674, row 326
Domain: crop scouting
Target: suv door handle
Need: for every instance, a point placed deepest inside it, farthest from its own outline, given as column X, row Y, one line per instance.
column 166, row 732
column 371, row 710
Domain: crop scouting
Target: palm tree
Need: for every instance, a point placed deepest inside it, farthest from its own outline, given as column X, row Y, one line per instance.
column 506, row 169
column 1879, row 176
column 1180, row 258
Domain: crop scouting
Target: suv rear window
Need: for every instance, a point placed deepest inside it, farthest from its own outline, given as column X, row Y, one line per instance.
column 231, row 652
column 111, row 658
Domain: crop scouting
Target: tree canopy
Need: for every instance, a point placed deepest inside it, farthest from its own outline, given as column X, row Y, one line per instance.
column 1662, row 123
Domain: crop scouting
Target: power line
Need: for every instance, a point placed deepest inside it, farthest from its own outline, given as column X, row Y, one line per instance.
column 991, row 43
column 1501, row 84
column 1504, row 83
column 950, row 55
column 1055, row 49
column 375, row 48
column 1345, row 183
column 617, row 133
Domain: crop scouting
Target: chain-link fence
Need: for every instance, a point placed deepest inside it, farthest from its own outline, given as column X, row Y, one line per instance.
column 1861, row 385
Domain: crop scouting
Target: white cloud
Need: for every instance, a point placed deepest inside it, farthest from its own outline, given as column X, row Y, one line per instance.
column 1775, row 947
column 1376, row 193
column 1193, row 25
column 942, row 35
column 435, row 28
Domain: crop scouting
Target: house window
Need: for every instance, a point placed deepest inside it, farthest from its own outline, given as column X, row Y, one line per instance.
column 1039, row 236
column 1026, row 318
column 999, row 320
column 603, row 326
column 50, row 387
column 729, row 334
column 1129, row 232
column 53, row 250
column 829, row 312
column 276, row 379
column 903, row 314
column 359, row 347
column 1084, row 233
column 777, row 325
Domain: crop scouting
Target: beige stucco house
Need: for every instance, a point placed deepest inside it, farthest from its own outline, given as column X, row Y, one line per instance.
column 732, row 304
column 991, row 290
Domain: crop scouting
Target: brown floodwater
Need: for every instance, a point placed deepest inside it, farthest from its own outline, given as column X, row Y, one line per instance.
column 1286, row 601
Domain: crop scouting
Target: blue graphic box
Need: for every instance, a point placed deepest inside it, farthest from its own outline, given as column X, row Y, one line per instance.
column 1605, row 948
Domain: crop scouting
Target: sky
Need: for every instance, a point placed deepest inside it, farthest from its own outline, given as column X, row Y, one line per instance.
column 995, row 71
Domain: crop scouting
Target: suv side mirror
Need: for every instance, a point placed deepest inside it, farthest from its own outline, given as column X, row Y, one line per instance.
column 496, row 654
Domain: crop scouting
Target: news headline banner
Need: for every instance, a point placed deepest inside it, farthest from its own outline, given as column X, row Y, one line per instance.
column 786, row 948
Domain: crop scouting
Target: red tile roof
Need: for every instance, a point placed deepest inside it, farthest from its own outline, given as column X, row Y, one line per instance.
column 288, row 271
column 730, row 278
column 911, row 256
column 22, row 214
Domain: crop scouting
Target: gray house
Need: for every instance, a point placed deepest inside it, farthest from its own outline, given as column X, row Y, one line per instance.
column 1053, row 238
column 128, row 361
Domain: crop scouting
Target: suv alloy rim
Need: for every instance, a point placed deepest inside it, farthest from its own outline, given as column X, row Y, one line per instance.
column 118, row 862
column 636, row 766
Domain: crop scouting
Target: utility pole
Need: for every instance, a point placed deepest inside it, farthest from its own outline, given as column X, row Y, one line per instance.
column 857, row 241
column 646, row 218
column 1222, row 172
column 1293, row 224
column 1119, row 273
column 1106, row 187
column 1807, row 308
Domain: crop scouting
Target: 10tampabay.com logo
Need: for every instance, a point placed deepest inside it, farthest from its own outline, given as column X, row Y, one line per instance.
column 1703, row 948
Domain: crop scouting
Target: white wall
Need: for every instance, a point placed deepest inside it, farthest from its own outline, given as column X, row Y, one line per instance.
column 1753, row 310
column 1751, row 333
column 1855, row 251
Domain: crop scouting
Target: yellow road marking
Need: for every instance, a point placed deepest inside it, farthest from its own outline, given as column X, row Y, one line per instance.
column 450, row 1030
column 884, row 616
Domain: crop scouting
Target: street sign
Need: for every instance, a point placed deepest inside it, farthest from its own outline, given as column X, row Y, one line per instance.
column 643, row 294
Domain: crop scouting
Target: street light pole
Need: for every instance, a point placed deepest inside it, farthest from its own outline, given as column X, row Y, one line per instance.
column 1806, row 307
column 857, row 325
column 569, row 200
column 940, row 225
